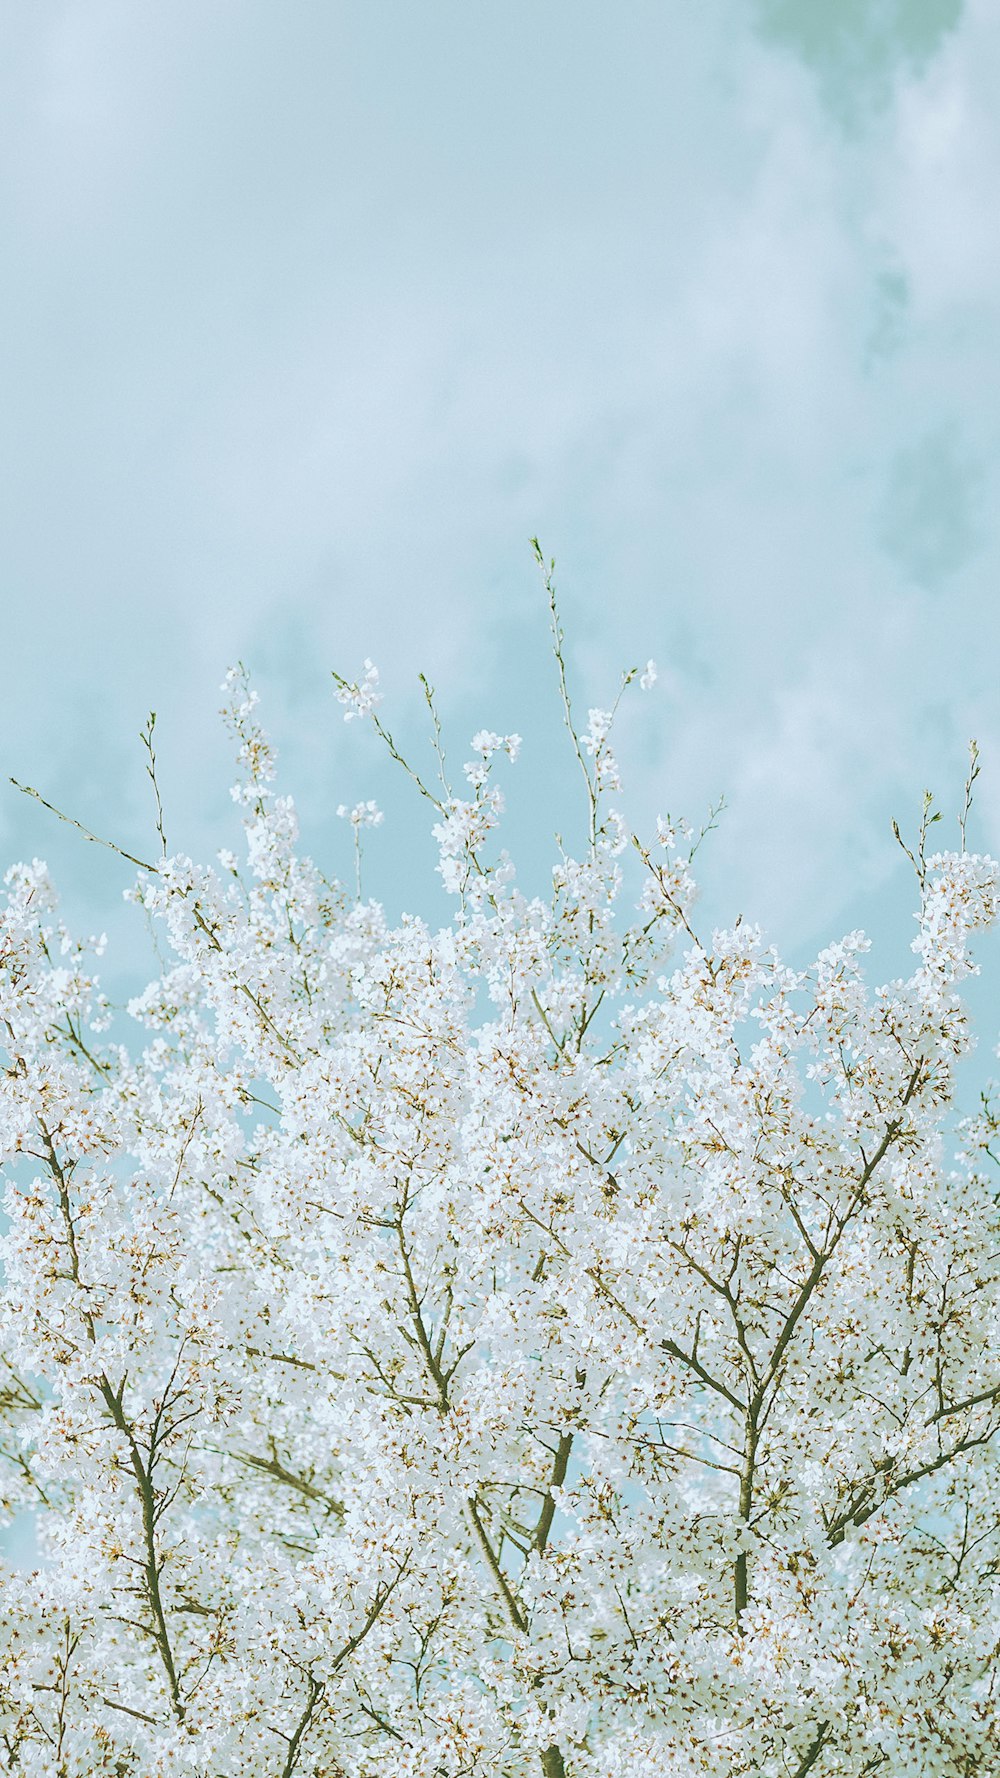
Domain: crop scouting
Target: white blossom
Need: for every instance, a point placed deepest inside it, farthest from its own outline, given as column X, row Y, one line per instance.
column 360, row 697
column 561, row 1343
column 364, row 814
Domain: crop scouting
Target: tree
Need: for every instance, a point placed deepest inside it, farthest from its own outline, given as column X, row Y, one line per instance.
column 556, row 1344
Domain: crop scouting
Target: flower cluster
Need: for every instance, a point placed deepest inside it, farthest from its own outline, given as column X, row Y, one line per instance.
column 558, row 1343
column 359, row 697
column 364, row 814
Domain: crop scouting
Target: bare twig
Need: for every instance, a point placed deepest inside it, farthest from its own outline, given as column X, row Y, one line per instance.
column 146, row 737
column 71, row 821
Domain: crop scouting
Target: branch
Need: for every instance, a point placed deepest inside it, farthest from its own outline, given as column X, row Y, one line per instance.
column 153, row 1562
column 540, row 1536
column 813, row 1751
column 140, row 1715
column 95, row 839
column 703, row 1375
column 558, row 638
column 859, row 1511
column 514, row 1611
column 971, row 1401
column 276, row 1470
column 317, row 1690
column 315, row 1694
column 823, row 1257
column 511, row 1606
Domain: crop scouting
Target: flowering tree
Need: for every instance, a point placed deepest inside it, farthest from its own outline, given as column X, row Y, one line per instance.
column 553, row 1344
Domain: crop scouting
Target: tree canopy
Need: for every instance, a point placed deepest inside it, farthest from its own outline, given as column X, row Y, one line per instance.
column 561, row 1342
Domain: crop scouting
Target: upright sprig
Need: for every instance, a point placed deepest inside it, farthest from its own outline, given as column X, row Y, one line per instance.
column 973, row 774
column 463, row 824
column 436, row 740
column 595, row 741
column 362, row 815
column 146, row 737
column 928, row 816
column 360, row 698
column 548, row 569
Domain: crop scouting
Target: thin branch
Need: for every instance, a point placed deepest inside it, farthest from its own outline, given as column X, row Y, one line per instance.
column 436, row 741
column 146, row 737
column 558, row 638
column 315, row 1693
column 813, row 1751
column 153, row 1563
column 514, row 1611
column 71, row 821
column 126, row 1709
column 974, row 769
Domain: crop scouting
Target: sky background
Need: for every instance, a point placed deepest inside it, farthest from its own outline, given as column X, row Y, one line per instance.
column 313, row 314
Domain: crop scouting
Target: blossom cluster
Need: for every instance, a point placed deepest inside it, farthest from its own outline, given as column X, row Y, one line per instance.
column 555, row 1343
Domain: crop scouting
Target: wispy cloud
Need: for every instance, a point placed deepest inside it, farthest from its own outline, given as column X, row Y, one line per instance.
column 310, row 329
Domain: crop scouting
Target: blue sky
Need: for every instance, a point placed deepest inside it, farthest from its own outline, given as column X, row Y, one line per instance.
column 313, row 314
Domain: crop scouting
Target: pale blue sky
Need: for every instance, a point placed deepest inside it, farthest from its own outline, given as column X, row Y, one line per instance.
column 312, row 314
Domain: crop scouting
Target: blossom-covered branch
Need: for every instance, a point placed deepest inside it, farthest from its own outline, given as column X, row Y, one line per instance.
column 554, row 1343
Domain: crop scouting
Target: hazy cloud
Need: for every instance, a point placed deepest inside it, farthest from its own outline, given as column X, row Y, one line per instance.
column 858, row 48
column 314, row 319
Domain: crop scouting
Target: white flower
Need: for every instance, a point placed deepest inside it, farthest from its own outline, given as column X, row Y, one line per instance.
column 597, row 730
column 424, row 1345
column 362, row 697
column 486, row 744
column 366, row 814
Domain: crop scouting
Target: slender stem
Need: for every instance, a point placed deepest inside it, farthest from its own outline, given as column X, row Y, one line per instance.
column 95, row 839
column 146, row 737
column 153, row 1563
column 513, row 1610
column 314, row 1696
column 560, row 659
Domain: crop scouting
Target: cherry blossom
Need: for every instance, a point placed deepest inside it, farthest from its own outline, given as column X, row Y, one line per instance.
column 562, row 1342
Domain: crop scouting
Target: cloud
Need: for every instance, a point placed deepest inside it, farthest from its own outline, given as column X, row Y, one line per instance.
column 308, row 337
column 929, row 520
column 858, row 49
